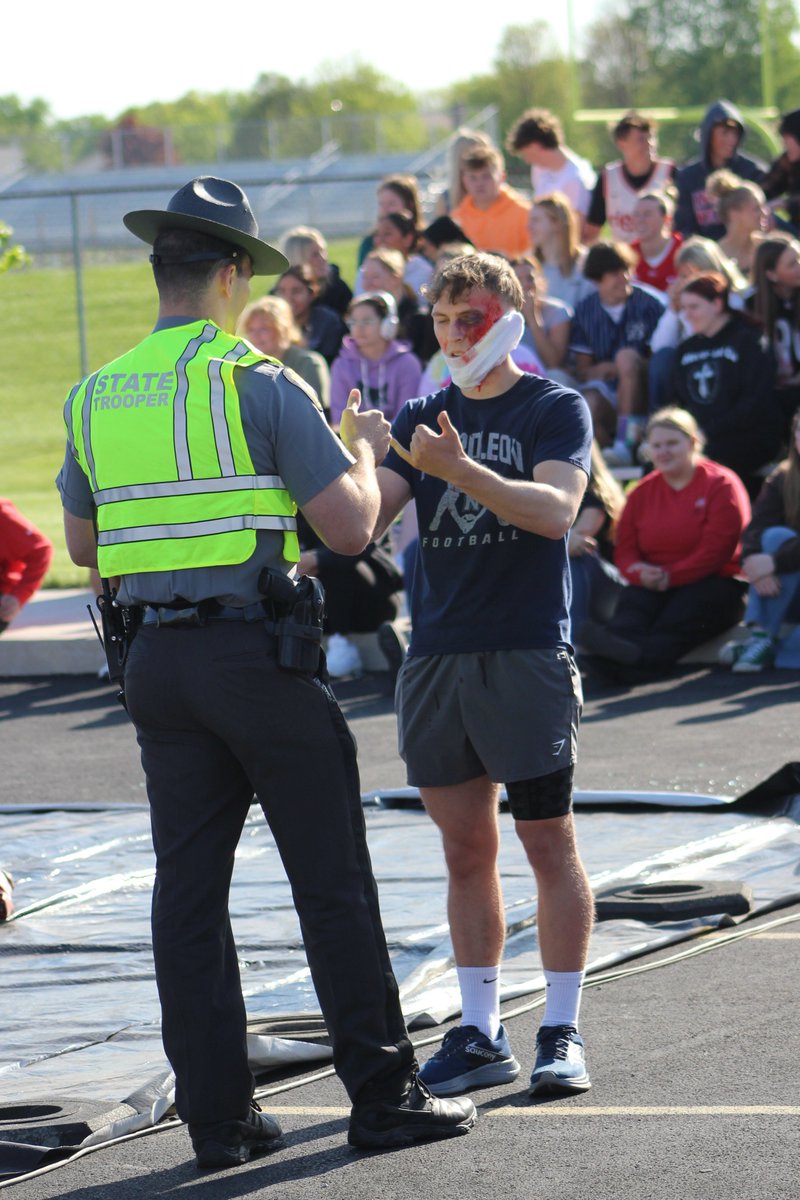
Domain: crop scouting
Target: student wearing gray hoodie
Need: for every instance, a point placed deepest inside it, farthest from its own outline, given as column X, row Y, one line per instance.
column 721, row 133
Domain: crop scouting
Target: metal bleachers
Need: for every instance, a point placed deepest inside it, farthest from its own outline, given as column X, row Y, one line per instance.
column 331, row 191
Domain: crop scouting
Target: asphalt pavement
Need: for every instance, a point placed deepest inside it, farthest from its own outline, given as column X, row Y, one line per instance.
column 694, row 1060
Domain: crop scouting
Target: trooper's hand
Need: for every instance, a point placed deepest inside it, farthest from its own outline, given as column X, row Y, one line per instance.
column 370, row 427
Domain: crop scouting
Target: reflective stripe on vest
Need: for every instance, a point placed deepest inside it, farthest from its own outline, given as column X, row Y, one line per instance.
column 159, row 434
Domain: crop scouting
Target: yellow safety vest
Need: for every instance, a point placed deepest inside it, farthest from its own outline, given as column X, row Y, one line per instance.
column 159, row 434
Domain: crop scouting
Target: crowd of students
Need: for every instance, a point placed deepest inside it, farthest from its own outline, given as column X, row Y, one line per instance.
column 690, row 304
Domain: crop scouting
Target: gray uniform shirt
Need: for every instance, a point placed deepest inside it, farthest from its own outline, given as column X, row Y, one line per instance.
column 287, row 435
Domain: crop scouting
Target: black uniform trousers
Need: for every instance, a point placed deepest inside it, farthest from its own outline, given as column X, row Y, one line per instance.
column 217, row 720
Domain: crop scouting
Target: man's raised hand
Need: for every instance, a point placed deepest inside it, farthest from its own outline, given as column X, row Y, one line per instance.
column 439, row 454
column 370, row 428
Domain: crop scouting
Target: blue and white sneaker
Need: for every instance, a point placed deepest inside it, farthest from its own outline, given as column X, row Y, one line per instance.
column 560, row 1065
column 467, row 1058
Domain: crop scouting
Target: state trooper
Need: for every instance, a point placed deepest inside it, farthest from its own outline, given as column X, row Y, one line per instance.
column 186, row 460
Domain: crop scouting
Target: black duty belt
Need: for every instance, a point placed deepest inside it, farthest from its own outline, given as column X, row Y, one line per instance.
column 174, row 616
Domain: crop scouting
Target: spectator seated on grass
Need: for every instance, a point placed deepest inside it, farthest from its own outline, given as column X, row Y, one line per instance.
column 655, row 243
column 372, row 359
column 321, row 327
column 547, row 322
column 742, row 208
column 721, row 133
column 620, row 184
column 596, row 582
column 361, row 594
column 697, row 254
column 384, row 271
column 396, row 193
column 553, row 231
column 537, row 138
column 493, row 216
column 678, row 545
column 270, row 325
column 781, row 184
column 724, row 376
column 611, row 341
column 397, row 231
column 776, row 306
column 304, row 246
column 25, row 555
column 771, row 564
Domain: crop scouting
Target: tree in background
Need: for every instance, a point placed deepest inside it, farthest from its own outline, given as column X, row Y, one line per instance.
column 663, row 53
column 283, row 119
column 529, row 72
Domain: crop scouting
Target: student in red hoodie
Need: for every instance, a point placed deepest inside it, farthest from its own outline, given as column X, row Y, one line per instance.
column 25, row 555
column 679, row 547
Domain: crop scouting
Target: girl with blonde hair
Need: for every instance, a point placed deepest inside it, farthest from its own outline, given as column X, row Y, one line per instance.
column 553, row 226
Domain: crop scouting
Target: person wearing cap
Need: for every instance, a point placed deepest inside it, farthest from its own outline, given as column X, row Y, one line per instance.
column 781, row 184
column 189, row 455
column 721, row 133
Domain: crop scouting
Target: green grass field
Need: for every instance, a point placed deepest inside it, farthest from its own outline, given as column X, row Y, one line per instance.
column 39, row 349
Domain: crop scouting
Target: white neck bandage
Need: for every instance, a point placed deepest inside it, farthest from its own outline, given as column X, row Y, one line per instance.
column 470, row 369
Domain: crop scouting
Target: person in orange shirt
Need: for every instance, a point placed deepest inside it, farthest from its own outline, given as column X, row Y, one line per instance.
column 493, row 216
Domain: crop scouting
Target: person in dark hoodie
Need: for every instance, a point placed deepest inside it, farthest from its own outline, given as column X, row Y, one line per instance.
column 723, row 376
column 782, row 182
column 721, row 133
column 385, row 370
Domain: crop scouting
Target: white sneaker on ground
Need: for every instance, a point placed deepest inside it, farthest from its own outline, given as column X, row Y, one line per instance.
column 342, row 656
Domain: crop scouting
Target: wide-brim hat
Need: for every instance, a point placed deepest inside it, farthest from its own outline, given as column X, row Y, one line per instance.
column 216, row 207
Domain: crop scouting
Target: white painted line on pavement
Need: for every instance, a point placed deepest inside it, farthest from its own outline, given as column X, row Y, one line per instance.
column 655, row 1110
column 584, row 1110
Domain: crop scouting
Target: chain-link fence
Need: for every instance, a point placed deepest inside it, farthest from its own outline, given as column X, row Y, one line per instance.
column 130, row 144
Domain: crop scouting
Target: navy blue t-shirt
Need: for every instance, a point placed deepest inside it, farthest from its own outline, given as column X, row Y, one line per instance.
column 479, row 582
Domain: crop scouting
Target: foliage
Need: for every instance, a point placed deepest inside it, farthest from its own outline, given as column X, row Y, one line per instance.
column 678, row 52
column 11, row 256
column 529, row 72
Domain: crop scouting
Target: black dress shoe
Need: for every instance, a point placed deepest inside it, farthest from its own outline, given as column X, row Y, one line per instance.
column 233, row 1142
column 418, row 1117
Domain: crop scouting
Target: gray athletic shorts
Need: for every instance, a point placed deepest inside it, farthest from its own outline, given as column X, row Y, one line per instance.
column 508, row 714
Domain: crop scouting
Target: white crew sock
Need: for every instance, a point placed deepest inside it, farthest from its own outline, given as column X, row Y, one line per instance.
column 563, row 997
column 480, row 998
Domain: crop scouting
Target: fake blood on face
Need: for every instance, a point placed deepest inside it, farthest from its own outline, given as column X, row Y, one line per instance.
column 492, row 312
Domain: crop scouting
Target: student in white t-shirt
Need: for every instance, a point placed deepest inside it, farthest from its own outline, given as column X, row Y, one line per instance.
column 537, row 138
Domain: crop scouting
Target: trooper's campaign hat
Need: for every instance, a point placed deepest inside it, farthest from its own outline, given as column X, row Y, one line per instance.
column 216, row 207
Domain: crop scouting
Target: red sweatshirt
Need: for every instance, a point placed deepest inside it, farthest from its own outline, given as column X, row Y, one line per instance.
column 692, row 533
column 25, row 554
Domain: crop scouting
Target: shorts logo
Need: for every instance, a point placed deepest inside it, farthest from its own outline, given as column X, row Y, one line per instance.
column 558, row 747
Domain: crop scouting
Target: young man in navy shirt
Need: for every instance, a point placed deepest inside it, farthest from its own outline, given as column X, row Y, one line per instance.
column 610, row 339
column 497, row 464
